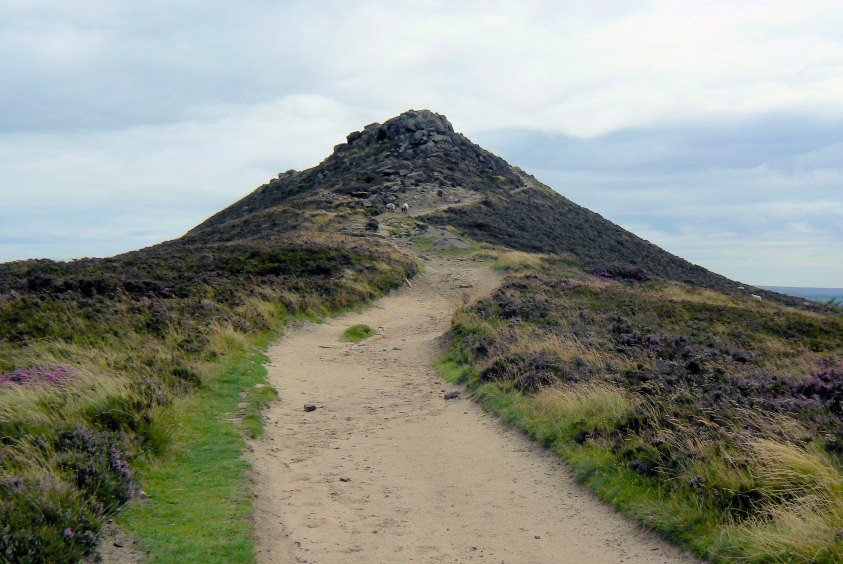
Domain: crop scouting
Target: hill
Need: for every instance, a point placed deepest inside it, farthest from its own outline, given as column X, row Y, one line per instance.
column 418, row 158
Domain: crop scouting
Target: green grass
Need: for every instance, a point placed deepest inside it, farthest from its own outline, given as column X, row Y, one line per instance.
column 357, row 333
column 256, row 398
column 198, row 503
column 445, row 248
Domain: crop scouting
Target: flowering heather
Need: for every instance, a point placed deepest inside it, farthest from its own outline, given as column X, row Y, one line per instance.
column 824, row 386
column 93, row 461
column 733, row 410
column 120, row 467
column 44, row 375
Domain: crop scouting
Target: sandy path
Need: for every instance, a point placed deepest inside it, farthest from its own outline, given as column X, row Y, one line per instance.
column 387, row 470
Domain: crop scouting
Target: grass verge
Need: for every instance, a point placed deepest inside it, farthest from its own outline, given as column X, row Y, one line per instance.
column 198, row 503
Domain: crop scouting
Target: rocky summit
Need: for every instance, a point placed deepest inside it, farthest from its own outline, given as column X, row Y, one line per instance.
column 416, row 158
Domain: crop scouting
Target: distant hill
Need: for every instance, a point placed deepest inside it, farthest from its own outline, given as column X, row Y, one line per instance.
column 815, row 294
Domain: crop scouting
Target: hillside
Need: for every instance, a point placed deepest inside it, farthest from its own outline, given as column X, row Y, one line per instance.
column 102, row 360
column 713, row 418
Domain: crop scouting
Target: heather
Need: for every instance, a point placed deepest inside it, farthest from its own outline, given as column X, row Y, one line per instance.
column 711, row 416
column 38, row 376
column 93, row 351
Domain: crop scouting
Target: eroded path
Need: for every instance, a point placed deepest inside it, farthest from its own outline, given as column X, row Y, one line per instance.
column 387, row 470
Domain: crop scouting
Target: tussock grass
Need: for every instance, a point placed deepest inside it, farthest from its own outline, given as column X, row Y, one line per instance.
column 513, row 260
column 56, row 407
column 801, row 533
column 593, row 405
column 803, row 507
column 224, row 339
column 786, row 472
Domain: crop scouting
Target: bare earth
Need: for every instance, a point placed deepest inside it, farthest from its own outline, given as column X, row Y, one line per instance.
column 387, row 470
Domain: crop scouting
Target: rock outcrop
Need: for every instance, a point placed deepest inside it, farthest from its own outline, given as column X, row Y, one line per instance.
column 416, row 157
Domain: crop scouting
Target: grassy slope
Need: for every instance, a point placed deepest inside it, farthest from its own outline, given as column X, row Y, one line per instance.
column 94, row 352
column 709, row 417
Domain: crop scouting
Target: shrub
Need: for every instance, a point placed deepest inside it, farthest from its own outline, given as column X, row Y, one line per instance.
column 55, row 375
column 94, row 462
column 46, row 521
column 527, row 373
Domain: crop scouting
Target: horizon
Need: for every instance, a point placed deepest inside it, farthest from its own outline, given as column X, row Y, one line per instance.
column 710, row 130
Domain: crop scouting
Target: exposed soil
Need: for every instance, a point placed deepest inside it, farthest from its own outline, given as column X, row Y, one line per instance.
column 385, row 469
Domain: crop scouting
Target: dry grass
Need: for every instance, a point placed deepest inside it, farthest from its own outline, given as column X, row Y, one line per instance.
column 57, row 407
column 786, row 471
column 791, row 534
column 682, row 292
column 262, row 306
column 514, row 260
column 594, row 404
column 223, row 339
column 804, row 510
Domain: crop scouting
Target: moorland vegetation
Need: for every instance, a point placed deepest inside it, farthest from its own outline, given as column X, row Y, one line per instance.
column 711, row 416
column 93, row 351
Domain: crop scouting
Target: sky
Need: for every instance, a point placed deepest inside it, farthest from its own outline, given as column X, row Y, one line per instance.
column 713, row 129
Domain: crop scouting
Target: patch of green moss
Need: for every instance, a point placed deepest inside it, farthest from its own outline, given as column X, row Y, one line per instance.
column 357, row 333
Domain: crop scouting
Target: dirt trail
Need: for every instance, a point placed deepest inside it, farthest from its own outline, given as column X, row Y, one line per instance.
column 387, row 470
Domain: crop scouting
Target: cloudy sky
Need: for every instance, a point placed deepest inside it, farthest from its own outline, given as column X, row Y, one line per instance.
column 714, row 129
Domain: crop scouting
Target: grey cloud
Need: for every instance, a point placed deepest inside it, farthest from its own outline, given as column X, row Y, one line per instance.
column 106, row 67
column 715, row 192
column 780, row 141
column 159, row 113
